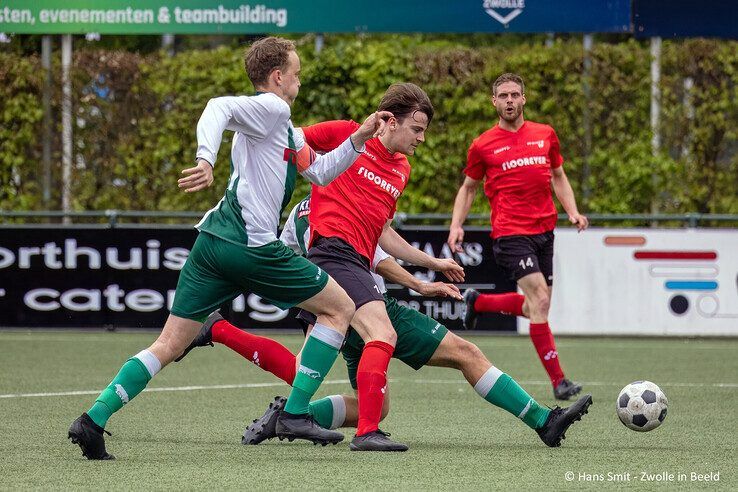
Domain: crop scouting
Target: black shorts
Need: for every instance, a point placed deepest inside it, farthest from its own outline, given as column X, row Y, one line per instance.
column 522, row 255
column 347, row 267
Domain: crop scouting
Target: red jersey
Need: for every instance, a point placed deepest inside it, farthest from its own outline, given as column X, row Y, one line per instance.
column 356, row 205
column 517, row 167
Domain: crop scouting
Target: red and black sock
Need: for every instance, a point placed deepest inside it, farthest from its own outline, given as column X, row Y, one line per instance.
column 266, row 353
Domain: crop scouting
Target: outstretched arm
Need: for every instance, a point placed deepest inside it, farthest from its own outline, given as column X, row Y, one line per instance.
column 462, row 204
column 565, row 194
column 396, row 246
column 393, row 272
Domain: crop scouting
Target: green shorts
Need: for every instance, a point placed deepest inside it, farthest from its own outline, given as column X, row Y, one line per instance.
column 418, row 337
column 217, row 271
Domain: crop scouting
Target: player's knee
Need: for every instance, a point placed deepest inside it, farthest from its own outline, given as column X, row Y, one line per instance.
column 468, row 353
column 388, row 336
column 539, row 301
column 543, row 304
column 346, row 309
column 341, row 311
column 462, row 353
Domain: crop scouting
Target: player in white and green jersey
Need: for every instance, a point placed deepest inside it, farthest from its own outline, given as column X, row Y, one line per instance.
column 237, row 248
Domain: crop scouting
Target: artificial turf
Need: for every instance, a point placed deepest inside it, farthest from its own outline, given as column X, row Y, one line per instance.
column 190, row 438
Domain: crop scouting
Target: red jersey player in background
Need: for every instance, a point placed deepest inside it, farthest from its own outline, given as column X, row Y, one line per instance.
column 519, row 162
column 349, row 217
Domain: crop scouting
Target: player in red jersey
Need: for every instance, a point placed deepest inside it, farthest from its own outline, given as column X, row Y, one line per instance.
column 519, row 161
column 349, row 217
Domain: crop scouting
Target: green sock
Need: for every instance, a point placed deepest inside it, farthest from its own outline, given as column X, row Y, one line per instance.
column 503, row 391
column 318, row 355
column 329, row 412
column 129, row 382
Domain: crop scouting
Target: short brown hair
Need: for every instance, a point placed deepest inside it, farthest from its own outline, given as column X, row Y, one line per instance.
column 508, row 77
column 265, row 56
column 404, row 99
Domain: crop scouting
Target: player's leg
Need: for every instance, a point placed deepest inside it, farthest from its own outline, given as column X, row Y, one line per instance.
column 278, row 275
column 423, row 341
column 537, row 288
column 373, row 325
column 495, row 386
column 537, row 295
column 199, row 290
column 333, row 309
column 343, row 410
column 331, row 412
column 263, row 352
column 510, row 303
column 351, row 271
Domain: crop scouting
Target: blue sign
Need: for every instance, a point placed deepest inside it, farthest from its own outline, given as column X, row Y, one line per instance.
column 683, row 18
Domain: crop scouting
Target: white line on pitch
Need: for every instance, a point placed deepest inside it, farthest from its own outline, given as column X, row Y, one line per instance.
column 583, row 383
column 171, row 388
column 345, row 381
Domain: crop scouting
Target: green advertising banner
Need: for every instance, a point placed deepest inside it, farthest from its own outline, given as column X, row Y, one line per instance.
column 275, row 16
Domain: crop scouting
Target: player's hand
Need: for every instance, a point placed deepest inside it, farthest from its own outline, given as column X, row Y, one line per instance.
column 455, row 237
column 580, row 221
column 440, row 289
column 452, row 270
column 196, row 178
column 374, row 126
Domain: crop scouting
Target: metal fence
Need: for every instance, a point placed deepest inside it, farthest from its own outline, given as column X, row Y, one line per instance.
column 141, row 218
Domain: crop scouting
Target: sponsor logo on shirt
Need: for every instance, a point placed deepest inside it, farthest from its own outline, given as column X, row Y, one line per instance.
column 379, row 181
column 539, row 143
column 501, row 149
column 370, row 155
column 402, row 176
column 524, row 161
column 303, row 208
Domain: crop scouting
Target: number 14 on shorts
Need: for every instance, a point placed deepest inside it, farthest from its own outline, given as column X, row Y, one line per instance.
column 527, row 262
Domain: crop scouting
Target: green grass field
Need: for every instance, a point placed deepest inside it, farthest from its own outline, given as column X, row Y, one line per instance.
column 190, row 438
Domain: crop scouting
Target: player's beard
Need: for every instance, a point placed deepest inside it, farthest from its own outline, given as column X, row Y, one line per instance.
column 513, row 116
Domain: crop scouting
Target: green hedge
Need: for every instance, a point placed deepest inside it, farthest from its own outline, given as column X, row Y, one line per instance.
column 136, row 116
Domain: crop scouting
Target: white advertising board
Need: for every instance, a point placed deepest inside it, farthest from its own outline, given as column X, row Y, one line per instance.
column 645, row 282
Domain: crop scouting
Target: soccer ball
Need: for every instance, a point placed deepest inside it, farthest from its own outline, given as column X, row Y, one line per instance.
column 641, row 406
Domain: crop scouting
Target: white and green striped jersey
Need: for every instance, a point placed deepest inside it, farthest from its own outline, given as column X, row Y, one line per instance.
column 264, row 165
column 296, row 235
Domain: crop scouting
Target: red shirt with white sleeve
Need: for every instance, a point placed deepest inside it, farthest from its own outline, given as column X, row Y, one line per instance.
column 355, row 206
column 516, row 168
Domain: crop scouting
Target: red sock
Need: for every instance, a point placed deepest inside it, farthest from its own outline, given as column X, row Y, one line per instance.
column 266, row 353
column 543, row 339
column 371, row 379
column 510, row 303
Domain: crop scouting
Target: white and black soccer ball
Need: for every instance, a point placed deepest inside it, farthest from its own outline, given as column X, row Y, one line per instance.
column 641, row 406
